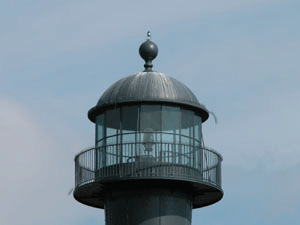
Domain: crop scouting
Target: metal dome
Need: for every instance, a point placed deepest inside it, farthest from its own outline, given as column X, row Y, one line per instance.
column 150, row 87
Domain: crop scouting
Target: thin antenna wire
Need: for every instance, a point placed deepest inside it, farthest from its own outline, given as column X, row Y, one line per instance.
column 214, row 115
column 71, row 190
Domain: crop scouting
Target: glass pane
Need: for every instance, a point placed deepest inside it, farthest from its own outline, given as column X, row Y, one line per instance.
column 129, row 122
column 170, row 119
column 128, row 138
column 112, row 121
column 168, row 138
column 187, row 127
column 100, row 141
column 112, row 124
column 150, row 118
column 99, row 127
column 198, row 132
column 129, row 118
column 150, row 121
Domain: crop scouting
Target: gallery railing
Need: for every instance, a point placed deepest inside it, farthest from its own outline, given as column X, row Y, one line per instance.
column 161, row 161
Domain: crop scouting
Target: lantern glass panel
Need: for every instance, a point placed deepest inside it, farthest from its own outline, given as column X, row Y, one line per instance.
column 100, row 131
column 170, row 131
column 150, row 118
column 170, row 119
column 150, row 127
column 129, row 122
column 112, row 124
column 187, row 127
column 129, row 119
column 198, row 132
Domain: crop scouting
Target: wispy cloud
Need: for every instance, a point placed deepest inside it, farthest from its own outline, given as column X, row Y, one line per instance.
column 36, row 170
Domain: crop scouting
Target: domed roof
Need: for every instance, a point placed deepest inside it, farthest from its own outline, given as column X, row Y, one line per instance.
column 148, row 87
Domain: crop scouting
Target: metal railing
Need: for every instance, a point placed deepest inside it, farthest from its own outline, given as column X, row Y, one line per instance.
column 164, row 161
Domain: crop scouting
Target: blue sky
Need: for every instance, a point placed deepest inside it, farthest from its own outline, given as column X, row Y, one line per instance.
column 239, row 57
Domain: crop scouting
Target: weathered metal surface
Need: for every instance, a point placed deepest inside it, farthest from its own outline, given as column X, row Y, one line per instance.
column 148, row 87
column 159, row 206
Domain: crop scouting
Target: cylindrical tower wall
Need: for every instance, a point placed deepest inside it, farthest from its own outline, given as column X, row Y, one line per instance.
column 159, row 206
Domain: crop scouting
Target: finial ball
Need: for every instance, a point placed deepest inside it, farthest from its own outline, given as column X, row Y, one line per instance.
column 148, row 51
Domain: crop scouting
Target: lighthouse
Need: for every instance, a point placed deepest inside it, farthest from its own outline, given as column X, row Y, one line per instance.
column 149, row 165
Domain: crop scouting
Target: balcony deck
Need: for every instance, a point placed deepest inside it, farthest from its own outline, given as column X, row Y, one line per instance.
column 197, row 168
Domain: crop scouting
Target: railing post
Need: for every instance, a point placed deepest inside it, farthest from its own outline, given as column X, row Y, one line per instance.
column 201, row 163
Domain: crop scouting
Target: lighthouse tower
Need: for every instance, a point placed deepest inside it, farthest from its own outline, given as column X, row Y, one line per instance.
column 149, row 165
